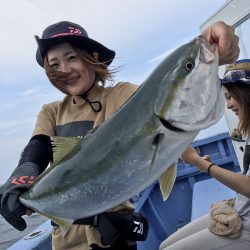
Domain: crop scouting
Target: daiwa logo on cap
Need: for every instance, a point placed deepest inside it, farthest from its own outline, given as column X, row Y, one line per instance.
column 72, row 31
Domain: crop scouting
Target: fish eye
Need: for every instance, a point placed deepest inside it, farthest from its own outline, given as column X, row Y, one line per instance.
column 188, row 65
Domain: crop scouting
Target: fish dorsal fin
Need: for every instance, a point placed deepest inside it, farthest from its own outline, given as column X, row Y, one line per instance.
column 166, row 181
column 63, row 147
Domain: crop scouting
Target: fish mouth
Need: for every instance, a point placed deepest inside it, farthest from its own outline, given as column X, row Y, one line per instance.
column 169, row 126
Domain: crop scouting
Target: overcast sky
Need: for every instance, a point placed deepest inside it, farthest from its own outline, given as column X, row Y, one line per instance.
column 141, row 32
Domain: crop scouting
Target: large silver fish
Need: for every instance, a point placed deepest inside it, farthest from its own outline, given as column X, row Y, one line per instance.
column 138, row 144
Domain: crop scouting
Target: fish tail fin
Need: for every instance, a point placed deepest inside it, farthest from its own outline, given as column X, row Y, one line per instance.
column 167, row 180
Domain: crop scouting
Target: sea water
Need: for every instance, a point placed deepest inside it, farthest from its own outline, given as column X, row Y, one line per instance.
column 10, row 235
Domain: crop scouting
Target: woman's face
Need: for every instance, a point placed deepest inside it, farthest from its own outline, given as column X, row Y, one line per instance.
column 79, row 75
column 231, row 102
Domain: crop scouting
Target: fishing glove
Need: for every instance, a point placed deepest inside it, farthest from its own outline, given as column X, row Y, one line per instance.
column 246, row 159
column 132, row 227
column 10, row 206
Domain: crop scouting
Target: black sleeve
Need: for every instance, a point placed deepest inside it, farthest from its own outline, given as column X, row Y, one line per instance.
column 246, row 159
column 38, row 151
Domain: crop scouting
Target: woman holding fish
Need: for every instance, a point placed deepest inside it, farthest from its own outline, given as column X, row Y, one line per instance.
column 78, row 66
column 228, row 224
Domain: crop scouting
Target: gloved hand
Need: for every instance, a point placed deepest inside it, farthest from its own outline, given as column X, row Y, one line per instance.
column 133, row 226
column 246, row 159
column 20, row 180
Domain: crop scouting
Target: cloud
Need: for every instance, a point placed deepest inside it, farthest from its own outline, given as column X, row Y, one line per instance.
column 134, row 29
column 11, row 149
column 17, row 127
column 31, row 92
column 112, row 22
column 160, row 57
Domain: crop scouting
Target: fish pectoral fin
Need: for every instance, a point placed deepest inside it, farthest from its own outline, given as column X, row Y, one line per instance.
column 63, row 147
column 167, row 180
column 156, row 144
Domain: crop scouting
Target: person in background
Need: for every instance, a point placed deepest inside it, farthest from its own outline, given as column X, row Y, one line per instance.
column 228, row 224
column 78, row 66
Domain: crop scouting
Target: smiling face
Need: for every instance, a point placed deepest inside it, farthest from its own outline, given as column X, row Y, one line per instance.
column 231, row 102
column 76, row 75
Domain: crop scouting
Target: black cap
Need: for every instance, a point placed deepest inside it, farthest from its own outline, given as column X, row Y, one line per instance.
column 76, row 35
